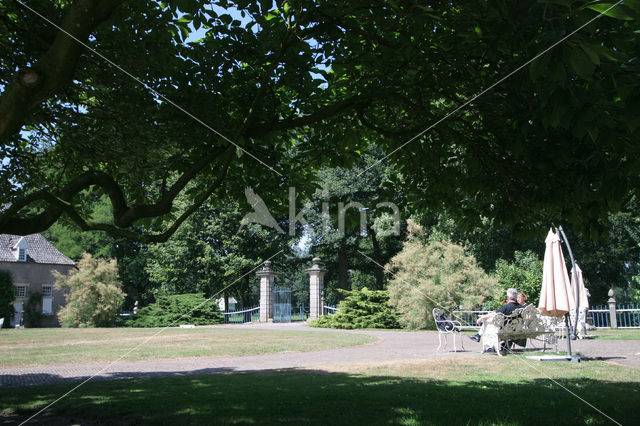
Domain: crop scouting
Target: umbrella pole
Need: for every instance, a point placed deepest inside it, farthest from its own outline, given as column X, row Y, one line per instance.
column 574, row 279
column 568, row 326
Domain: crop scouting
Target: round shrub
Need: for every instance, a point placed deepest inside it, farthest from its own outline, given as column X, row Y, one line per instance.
column 172, row 310
column 362, row 308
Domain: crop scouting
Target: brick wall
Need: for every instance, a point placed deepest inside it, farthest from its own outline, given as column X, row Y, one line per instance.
column 35, row 275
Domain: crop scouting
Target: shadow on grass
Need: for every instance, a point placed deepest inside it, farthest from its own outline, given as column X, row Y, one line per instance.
column 308, row 396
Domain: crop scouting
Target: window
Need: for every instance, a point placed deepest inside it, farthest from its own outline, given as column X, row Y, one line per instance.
column 47, row 299
column 20, row 291
column 47, row 290
column 20, row 249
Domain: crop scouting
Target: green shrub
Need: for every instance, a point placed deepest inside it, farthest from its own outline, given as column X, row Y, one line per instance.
column 524, row 274
column 435, row 274
column 6, row 298
column 33, row 310
column 362, row 308
column 171, row 310
column 95, row 296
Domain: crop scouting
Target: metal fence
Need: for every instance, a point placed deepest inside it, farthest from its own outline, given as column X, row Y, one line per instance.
column 242, row 316
column 627, row 316
column 330, row 309
column 468, row 318
column 301, row 313
column 599, row 316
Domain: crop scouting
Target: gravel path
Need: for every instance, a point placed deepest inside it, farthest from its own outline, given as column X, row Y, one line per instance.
column 392, row 345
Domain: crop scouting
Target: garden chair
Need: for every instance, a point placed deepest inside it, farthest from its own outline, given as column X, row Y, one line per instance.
column 445, row 327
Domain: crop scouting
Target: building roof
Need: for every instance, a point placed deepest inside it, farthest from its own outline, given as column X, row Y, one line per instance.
column 40, row 250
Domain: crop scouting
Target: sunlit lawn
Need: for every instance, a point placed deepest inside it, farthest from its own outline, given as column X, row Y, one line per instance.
column 484, row 390
column 620, row 334
column 630, row 334
column 63, row 346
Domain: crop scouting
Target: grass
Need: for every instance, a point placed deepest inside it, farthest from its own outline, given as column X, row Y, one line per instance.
column 631, row 334
column 628, row 334
column 29, row 347
column 479, row 391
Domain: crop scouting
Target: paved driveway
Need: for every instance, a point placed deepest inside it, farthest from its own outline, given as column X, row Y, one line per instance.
column 392, row 345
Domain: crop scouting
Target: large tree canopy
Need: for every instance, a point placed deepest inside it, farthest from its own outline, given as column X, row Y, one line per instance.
column 300, row 84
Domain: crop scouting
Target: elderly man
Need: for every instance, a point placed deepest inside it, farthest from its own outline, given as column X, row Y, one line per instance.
column 507, row 309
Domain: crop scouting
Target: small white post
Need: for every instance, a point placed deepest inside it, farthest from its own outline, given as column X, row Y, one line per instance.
column 613, row 316
column 316, row 289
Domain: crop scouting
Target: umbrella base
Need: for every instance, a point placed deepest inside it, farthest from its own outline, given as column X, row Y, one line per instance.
column 574, row 358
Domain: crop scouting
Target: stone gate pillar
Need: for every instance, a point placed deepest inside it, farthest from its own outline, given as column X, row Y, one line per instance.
column 266, row 292
column 613, row 316
column 316, row 289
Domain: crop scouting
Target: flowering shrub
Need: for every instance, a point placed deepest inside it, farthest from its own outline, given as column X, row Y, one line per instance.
column 94, row 293
column 436, row 273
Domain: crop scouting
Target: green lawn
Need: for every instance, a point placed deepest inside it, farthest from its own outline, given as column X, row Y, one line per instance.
column 628, row 334
column 449, row 391
column 631, row 334
column 62, row 346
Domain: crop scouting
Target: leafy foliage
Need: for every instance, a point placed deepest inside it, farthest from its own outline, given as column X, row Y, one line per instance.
column 6, row 297
column 435, row 274
column 171, row 310
column 524, row 274
column 341, row 239
column 361, row 308
column 95, row 294
column 210, row 250
column 131, row 256
column 33, row 310
column 611, row 261
column 309, row 83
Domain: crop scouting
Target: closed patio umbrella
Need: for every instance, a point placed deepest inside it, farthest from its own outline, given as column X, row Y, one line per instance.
column 556, row 297
column 583, row 299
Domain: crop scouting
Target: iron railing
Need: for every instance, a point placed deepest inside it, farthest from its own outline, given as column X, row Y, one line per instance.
column 468, row 318
column 628, row 316
column 242, row 316
column 330, row 309
column 599, row 316
column 301, row 313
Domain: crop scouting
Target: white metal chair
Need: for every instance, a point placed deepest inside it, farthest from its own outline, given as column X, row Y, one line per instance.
column 445, row 327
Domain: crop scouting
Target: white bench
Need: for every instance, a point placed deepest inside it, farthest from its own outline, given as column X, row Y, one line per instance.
column 523, row 323
column 446, row 326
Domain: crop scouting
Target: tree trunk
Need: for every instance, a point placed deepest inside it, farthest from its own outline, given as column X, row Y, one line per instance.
column 343, row 266
column 377, row 256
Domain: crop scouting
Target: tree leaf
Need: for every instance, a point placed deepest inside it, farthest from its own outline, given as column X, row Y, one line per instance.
column 591, row 53
column 616, row 12
column 580, row 63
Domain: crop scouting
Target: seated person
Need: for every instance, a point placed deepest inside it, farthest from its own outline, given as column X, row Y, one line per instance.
column 507, row 309
column 522, row 299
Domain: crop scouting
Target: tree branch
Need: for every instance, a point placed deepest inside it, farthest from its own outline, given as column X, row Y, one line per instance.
column 123, row 214
column 52, row 71
column 155, row 238
column 319, row 115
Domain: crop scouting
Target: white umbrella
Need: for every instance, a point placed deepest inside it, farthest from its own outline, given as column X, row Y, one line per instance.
column 583, row 299
column 556, row 297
